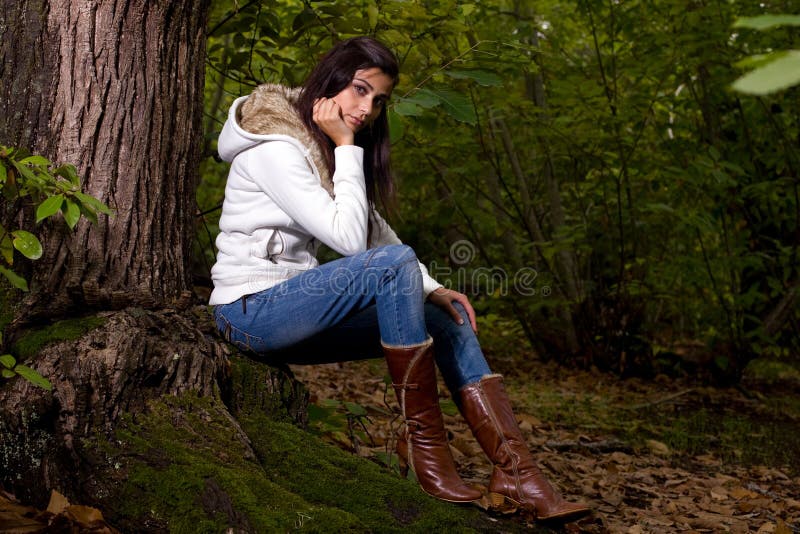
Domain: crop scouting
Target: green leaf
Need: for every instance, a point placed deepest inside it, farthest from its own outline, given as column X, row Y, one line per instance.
column 93, row 203
column 72, row 212
column 69, row 172
column 422, row 97
column 16, row 280
column 448, row 407
column 407, row 109
column 8, row 373
column 776, row 75
column 36, row 160
column 28, row 244
column 457, row 105
column 8, row 361
column 24, row 170
column 764, row 22
column 372, row 15
column 355, row 409
column 482, row 77
column 396, row 127
column 6, row 247
column 33, row 377
column 3, row 173
column 759, row 60
column 50, row 206
column 89, row 213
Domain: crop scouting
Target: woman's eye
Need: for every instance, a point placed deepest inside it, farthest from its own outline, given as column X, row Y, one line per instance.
column 360, row 90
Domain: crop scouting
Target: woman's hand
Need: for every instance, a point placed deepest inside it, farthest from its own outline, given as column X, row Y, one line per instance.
column 444, row 298
column 328, row 116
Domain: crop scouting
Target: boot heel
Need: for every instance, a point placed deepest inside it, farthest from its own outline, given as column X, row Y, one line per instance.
column 502, row 504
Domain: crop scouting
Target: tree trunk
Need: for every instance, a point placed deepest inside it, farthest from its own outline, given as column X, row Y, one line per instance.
column 115, row 88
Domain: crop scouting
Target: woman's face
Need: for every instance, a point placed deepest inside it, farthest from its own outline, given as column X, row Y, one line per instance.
column 363, row 99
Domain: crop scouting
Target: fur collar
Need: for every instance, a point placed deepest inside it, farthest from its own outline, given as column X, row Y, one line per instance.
column 270, row 109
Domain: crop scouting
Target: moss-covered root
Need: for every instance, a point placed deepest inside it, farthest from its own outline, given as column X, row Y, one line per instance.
column 181, row 470
column 184, row 471
column 329, row 477
column 33, row 340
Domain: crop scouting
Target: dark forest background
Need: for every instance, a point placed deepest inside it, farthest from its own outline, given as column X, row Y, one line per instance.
column 583, row 167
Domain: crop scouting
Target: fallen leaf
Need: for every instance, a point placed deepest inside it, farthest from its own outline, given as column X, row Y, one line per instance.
column 528, row 420
column 675, row 482
column 741, row 493
column 611, row 497
column 84, row 514
column 658, row 448
column 719, row 494
column 58, row 503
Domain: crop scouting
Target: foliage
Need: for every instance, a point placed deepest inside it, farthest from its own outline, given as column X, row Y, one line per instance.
column 34, row 179
column 590, row 153
column 27, row 180
column 10, row 368
column 773, row 71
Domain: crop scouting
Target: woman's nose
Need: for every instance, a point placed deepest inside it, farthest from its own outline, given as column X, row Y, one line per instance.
column 366, row 108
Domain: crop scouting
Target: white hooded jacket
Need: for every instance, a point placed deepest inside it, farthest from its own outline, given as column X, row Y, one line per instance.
column 280, row 202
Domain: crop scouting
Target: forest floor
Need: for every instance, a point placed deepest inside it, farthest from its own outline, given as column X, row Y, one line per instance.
column 665, row 455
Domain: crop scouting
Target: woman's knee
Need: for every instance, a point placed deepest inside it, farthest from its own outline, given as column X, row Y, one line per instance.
column 396, row 255
column 441, row 324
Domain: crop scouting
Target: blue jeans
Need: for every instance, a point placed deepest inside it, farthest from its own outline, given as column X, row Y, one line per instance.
column 343, row 310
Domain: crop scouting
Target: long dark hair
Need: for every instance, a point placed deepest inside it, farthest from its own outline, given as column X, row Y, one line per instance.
column 334, row 72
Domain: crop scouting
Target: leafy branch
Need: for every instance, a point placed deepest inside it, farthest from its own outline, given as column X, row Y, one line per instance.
column 52, row 189
column 27, row 179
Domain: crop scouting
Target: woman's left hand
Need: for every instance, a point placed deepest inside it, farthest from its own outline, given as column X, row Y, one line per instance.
column 444, row 298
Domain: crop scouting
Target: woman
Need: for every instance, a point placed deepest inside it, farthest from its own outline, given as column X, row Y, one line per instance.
column 307, row 167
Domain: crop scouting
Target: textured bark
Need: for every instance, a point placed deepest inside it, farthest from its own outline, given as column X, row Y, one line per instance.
column 116, row 89
column 113, row 371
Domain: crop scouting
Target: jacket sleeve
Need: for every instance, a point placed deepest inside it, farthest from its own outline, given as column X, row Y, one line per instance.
column 281, row 170
column 382, row 234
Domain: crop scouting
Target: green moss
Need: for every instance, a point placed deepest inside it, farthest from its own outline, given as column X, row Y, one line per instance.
column 34, row 340
column 328, row 477
column 184, row 469
column 7, row 304
column 259, row 388
column 187, row 472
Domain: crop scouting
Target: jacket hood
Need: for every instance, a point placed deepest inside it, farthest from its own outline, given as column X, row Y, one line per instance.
column 269, row 114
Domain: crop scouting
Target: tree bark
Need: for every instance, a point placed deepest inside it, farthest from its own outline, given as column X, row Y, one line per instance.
column 116, row 89
column 110, row 377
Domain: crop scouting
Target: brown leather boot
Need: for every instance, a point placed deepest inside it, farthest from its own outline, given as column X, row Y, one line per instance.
column 423, row 443
column 516, row 479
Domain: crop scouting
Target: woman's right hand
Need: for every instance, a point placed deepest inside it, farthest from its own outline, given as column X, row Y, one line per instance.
column 328, row 116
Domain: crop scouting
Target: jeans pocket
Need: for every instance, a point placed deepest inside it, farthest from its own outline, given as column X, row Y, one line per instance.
column 223, row 325
column 237, row 337
column 247, row 342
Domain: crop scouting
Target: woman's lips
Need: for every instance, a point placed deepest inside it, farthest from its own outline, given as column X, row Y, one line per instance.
column 355, row 121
